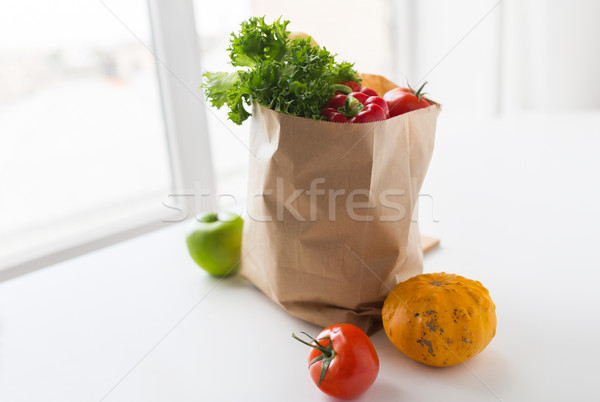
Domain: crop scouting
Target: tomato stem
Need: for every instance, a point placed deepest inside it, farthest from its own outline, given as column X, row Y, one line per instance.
column 420, row 94
column 326, row 356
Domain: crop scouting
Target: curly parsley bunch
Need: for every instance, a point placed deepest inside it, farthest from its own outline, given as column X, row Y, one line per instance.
column 288, row 76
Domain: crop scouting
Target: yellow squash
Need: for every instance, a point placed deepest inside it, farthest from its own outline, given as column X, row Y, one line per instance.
column 439, row 319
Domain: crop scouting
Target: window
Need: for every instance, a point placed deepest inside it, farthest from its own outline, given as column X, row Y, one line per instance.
column 229, row 142
column 82, row 142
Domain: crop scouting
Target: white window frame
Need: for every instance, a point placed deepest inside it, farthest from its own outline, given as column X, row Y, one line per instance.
column 176, row 51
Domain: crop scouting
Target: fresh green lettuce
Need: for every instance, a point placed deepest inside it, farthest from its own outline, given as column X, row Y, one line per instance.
column 291, row 77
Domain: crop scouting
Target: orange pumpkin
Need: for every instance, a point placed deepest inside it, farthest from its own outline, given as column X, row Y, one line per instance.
column 439, row 319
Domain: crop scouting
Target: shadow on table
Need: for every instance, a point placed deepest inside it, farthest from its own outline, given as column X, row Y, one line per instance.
column 487, row 372
column 234, row 281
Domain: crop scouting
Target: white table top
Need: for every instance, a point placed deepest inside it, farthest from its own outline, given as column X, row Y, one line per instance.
column 517, row 208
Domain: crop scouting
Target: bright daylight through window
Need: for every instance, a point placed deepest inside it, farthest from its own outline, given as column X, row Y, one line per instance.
column 82, row 144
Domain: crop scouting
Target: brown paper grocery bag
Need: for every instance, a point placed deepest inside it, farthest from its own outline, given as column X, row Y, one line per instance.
column 328, row 230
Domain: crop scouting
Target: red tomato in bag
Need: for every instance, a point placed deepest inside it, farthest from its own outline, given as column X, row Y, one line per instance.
column 404, row 100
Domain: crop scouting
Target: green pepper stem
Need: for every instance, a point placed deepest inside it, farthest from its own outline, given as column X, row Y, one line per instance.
column 352, row 107
column 342, row 88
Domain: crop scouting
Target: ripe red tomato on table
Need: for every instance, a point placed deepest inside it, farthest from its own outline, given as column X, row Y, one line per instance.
column 404, row 100
column 343, row 362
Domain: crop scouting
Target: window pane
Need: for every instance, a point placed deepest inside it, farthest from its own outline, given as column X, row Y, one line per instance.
column 214, row 22
column 82, row 141
column 365, row 39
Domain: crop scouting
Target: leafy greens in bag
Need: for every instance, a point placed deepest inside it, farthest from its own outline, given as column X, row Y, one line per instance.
column 288, row 76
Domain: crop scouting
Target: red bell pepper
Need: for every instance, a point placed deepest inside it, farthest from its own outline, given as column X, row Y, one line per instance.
column 369, row 113
column 331, row 114
column 361, row 106
column 369, row 91
column 354, row 86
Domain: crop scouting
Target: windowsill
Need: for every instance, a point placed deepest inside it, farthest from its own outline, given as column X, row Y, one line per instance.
column 55, row 243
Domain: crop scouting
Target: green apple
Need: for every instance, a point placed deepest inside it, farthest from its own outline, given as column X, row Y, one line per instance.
column 214, row 241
